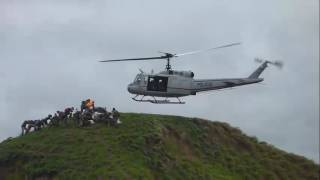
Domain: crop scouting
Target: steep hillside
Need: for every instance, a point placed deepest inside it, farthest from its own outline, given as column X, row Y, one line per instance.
column 149, row 147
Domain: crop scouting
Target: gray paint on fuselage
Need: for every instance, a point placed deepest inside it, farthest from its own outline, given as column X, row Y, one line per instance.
column 179, row 86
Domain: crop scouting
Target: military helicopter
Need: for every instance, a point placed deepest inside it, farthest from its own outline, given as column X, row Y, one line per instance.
column 171, row 84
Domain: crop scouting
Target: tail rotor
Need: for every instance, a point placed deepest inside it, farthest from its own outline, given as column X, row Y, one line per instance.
column 279, row 64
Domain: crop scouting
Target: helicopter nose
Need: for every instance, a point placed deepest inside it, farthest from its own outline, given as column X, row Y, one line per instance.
column 130, row 88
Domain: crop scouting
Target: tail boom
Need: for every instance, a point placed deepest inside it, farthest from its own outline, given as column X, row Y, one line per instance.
column 215, row 84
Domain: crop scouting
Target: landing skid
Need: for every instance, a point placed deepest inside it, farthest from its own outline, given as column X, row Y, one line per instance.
column 157, row 101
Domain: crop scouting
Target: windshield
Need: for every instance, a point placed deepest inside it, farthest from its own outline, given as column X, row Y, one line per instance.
column 137, row 79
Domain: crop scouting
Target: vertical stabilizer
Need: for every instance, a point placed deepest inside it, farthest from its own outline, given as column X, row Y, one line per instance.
column 258, row 71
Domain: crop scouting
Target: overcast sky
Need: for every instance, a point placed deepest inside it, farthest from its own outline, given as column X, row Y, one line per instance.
column 49, row 52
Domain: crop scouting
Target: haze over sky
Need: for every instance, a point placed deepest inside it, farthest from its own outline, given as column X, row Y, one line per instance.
column 49, row 52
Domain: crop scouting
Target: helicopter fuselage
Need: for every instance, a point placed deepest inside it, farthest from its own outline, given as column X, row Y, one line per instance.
column 180, row 83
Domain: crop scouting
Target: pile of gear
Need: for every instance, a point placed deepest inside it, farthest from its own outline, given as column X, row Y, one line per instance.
column 88, row 115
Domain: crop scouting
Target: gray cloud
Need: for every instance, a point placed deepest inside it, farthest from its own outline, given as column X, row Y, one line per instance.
column 49, row 52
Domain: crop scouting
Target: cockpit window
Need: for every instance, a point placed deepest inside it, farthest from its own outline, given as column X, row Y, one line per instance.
column 137, row 79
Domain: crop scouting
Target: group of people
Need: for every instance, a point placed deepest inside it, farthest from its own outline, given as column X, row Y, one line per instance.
column 88, row 114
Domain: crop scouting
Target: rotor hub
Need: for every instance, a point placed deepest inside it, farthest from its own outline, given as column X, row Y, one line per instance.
column 168, row 66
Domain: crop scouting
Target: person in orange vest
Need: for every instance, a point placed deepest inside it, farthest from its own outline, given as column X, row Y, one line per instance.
column 90, row 105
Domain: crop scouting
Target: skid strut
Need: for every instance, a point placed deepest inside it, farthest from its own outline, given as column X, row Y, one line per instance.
column 157, row 101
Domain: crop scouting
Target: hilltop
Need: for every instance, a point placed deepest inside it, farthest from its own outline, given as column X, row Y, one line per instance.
column 149, row 147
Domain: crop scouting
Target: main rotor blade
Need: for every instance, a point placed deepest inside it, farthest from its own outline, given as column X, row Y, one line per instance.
column 199, row 51
column 169, row 55
column 136, row 59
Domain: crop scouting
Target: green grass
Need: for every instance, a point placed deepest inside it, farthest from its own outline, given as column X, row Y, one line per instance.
column 149, row 147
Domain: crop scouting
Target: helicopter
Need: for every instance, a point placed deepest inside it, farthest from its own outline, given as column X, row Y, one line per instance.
column 172, row 84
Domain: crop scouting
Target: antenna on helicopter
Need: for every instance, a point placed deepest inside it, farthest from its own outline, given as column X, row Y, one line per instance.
column 168, row 56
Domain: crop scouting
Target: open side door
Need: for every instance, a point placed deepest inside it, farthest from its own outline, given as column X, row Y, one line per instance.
column 157, row 83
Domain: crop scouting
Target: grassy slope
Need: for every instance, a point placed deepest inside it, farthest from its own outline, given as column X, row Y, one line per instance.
column 152, row 147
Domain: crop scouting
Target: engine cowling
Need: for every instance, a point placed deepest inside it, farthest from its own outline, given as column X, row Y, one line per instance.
column 187, row 74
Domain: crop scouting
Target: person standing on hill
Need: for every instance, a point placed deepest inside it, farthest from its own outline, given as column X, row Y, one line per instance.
column 24, row 127
column 115, row 117
column 45, row 120
column 54, row 120
column 37, row 125
column 90, row 105
column 86, row 105
column 83, row 105
column 68, row 112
